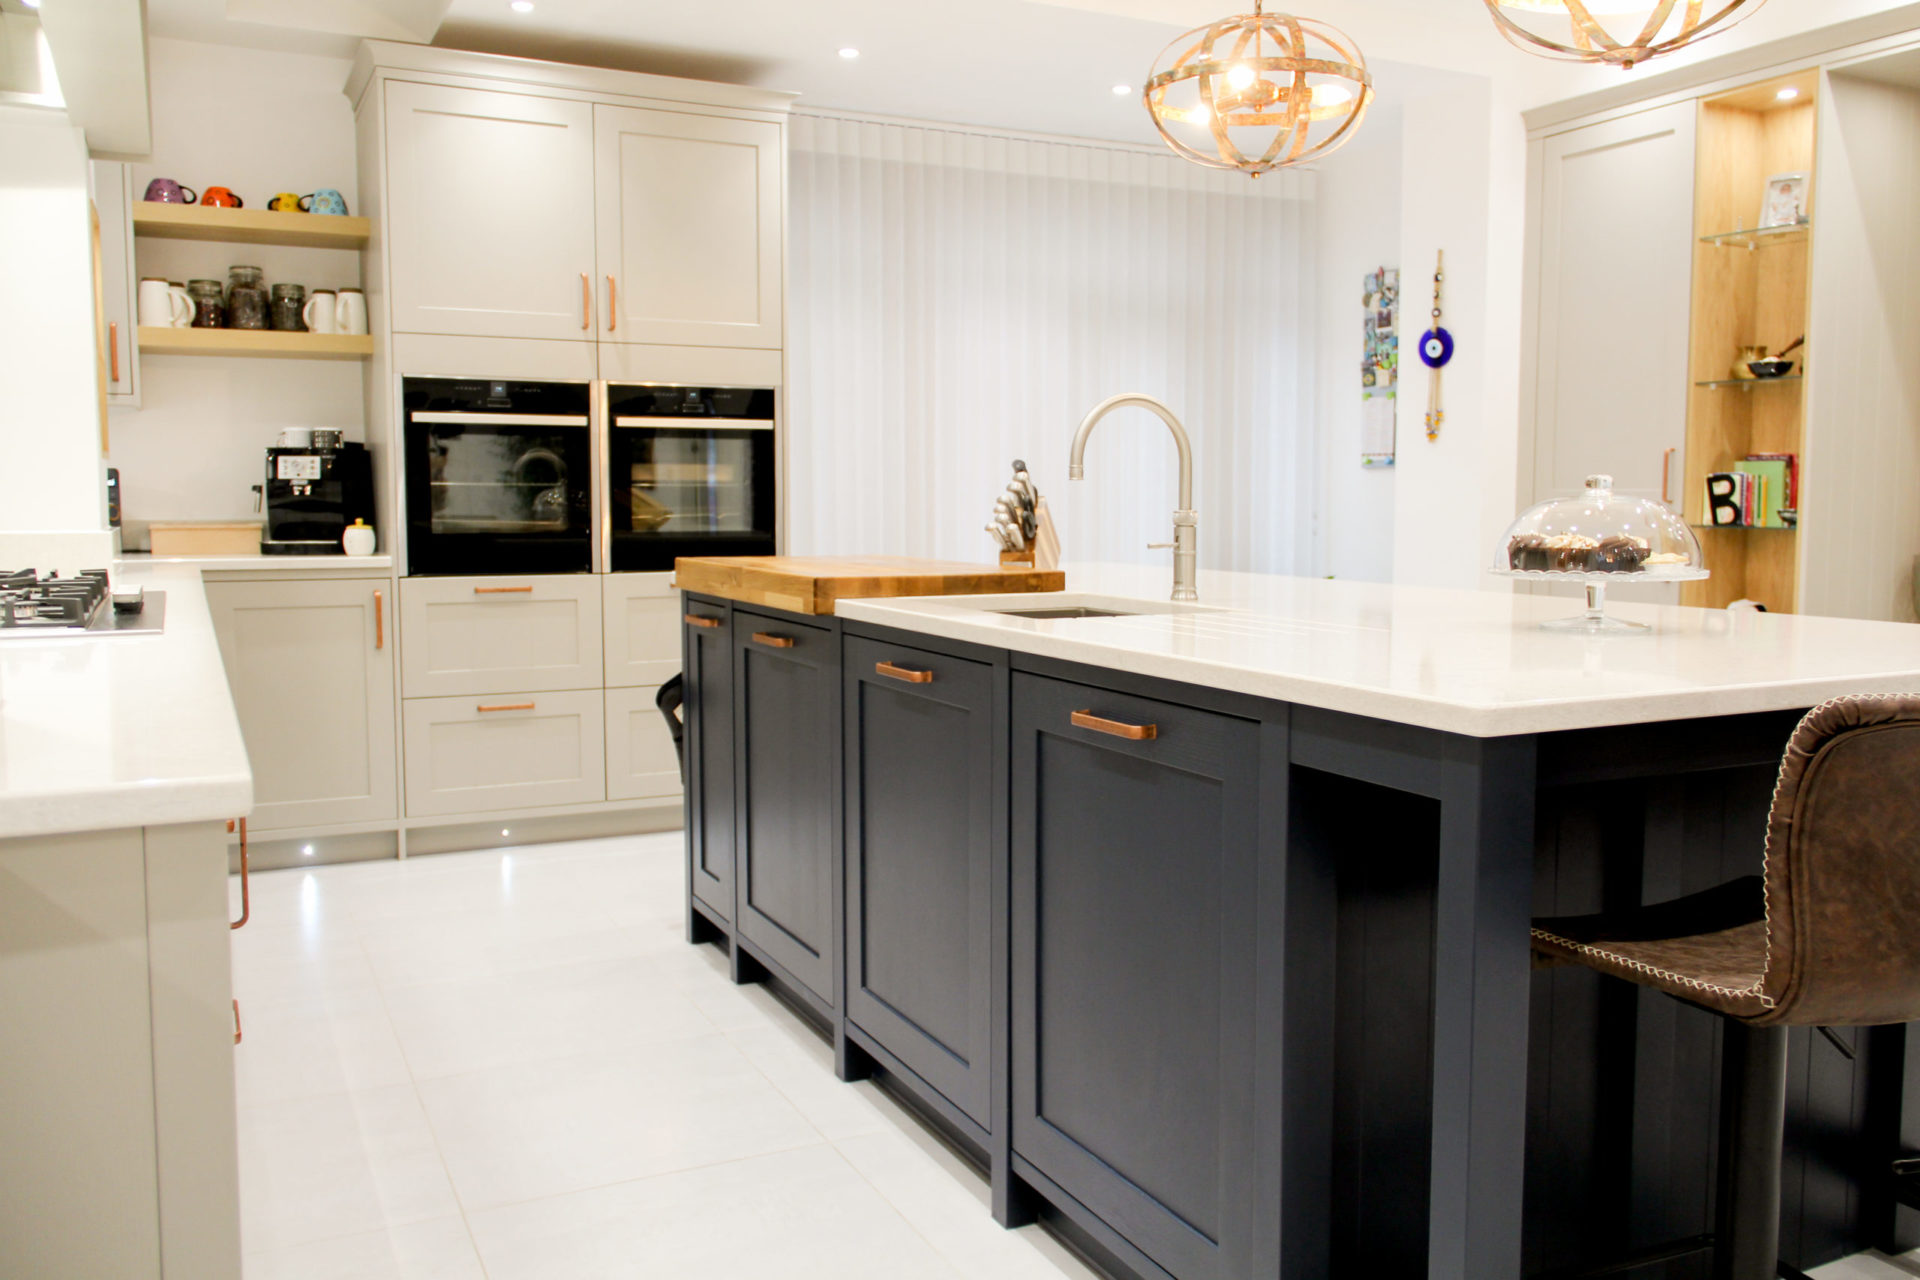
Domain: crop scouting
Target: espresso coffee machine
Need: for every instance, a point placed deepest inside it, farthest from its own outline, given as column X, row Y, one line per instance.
column 312, row 495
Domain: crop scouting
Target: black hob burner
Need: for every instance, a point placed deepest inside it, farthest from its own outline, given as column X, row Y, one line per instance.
column 76, row 604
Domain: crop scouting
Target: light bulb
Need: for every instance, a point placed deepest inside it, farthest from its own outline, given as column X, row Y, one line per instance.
column 1331, row 95
column 1240, row 77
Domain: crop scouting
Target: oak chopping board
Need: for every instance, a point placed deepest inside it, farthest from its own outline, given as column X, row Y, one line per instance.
column 810, row 584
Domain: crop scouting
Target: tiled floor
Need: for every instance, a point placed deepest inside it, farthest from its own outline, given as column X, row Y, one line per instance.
column 510, row 1066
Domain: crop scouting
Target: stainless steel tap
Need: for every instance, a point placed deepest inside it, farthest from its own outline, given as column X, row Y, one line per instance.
column 1186, row 523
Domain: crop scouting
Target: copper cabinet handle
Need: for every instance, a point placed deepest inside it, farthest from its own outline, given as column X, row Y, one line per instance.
column 695, row 620
column 1666, row 473
column 506, row 706
column 1119, row 729
column 586, row 301
column 773, row 641
column 113, row 349
column 236, row 1022
column 613, row 313
column 246, row 900
column 503, row 591
column 908, row 674
column 379, row 621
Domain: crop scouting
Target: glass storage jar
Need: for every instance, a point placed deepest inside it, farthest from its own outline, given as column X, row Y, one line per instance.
column 209, row 303
column 246, row 298
column 289, row 300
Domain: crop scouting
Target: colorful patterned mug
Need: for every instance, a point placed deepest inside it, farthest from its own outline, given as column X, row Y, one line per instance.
column 285, row 202
column 221, row 198
column 325, row 200
column 167, row 191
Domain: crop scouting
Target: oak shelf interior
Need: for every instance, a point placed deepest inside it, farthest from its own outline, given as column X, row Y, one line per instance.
column 249, row 226
column 263, row 343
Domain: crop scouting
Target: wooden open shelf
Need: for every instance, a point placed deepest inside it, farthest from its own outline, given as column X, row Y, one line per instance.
column 1761, row 238
column 249, row 226
column 270, row 344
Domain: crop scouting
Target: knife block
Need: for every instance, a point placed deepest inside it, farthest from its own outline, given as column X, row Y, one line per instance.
column 1024, row 559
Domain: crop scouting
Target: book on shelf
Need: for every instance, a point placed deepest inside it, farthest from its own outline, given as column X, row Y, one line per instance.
column 1755, row 494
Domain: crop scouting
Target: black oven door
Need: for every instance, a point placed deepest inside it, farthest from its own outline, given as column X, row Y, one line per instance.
column 698, row 486
column 498, row 489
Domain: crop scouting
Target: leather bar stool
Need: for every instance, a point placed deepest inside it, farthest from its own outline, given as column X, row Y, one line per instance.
column 1828, row 936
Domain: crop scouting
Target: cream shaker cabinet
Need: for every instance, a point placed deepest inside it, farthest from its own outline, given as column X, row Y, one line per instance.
column 112, row 196
column 500, row 635
column 691, row 227
column 483, row 753
column 643, row 629
column 310, row 665
column 1615, row 208
column 489, row 212
column 641, row 761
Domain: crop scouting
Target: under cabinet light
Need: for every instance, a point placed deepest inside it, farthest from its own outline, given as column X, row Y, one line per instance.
column 1787, row 94
column 521, row 6
column 849, row 53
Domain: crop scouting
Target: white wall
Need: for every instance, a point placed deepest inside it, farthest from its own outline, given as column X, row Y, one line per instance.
column 1359, row 232
column 260, row 123
column 52, row 498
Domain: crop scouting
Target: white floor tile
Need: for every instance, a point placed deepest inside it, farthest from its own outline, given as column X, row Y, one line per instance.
column 338, row 1164
column 302, row 1051
column 437, row 1250
column 406, row 951
column 800, row 1215
column 544, row 1128
column 800, row 1065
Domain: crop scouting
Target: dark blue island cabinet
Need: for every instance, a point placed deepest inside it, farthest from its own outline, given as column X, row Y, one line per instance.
column 1220, row 988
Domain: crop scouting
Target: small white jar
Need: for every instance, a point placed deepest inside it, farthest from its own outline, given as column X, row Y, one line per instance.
column 358, row 539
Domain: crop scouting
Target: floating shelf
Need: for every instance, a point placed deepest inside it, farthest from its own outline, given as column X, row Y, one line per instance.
column 249, row 226
column 1760, row 237
column 268, row 343
column 1748, row 528
column 1749, row 383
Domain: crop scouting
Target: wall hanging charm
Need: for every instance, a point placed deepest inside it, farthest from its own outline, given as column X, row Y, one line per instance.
column 1622, row 32
column 1436, row 350
column 1259, row 91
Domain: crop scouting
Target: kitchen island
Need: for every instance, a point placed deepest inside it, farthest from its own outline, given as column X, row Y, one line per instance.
column 121, row 762
column 1204, row 927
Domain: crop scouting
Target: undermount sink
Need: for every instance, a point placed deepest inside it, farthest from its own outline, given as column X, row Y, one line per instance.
column 1066, row 611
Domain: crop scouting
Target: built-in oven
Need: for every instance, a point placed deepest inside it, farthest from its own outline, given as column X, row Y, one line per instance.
column 497, row 476
column 690, row 472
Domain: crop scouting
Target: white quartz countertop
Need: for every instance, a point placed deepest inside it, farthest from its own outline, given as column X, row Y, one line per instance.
column 1468, row 662
column 380, row 565
column 109, row 731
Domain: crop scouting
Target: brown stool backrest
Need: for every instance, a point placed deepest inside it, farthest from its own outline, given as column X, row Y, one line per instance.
column 1843, row 867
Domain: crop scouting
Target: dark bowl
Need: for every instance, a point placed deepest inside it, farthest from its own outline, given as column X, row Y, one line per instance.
column 1774, row 367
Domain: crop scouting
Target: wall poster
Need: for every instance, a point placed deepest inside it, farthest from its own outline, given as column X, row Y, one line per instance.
column 1380, row 367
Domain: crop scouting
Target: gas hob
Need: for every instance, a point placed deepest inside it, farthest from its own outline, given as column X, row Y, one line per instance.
column 82, row 604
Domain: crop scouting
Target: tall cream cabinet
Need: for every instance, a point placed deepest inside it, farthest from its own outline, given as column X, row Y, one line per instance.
column 113, row 203
column 310, row 664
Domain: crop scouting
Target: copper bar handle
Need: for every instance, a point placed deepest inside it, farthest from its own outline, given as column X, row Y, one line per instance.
column 586, row 301
column 503, row 591
column 695, row 620
column 246, row 894
column 773, row 641
column 113, row 349
column 1119, row 729
column 613, row 311
column 379, row 621
column 506, row 706
column 1666, row 473
column 236, row 1022
column 908, row 674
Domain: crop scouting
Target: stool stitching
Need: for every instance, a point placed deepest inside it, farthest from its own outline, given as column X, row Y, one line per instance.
column 1642, row 966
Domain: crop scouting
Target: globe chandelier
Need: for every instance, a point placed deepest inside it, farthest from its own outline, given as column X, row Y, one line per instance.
column 1259, row 91
column 1622, row 32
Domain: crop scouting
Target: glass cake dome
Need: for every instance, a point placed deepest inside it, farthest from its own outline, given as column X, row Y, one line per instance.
column 1600, row 538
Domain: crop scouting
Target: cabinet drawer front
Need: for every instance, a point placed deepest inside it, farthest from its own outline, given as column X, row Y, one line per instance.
column 476, row 754
column 641, row 761
column 493, row 635
column 642, row 629
column 919, row 861
column 1134, row 953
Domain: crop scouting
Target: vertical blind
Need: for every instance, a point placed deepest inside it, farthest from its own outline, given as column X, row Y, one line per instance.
column 961, row 298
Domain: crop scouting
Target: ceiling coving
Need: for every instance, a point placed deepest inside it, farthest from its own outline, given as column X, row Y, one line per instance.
column 1623, row 32
column 1258, row 92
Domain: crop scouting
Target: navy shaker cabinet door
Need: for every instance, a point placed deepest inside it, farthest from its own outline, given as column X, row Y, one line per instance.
column 707, row 711
column 787, row 682
column 920, row 846
column 1135, row 826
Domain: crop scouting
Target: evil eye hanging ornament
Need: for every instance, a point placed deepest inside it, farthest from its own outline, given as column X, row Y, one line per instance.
column 1436, row 350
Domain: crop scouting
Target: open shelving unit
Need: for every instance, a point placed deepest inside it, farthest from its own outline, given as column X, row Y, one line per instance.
column 272, row 344
column 249, row 226
column 1750, row 287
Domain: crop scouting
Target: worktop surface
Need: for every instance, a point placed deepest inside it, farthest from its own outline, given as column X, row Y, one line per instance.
column 1468, row 662
column 102, row 732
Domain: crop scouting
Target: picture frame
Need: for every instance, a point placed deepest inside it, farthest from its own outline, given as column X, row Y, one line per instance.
column 1785, row 201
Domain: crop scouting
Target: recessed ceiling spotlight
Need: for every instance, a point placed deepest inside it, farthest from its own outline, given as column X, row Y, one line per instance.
column 306, row 850
column 1787, row 94
column 31, row 4
column 1122, row 90
column 849, row 53
column 521, row 6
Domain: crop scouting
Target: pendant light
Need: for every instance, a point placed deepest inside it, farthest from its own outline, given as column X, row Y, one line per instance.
column 1259, row 91
column 1622, row 32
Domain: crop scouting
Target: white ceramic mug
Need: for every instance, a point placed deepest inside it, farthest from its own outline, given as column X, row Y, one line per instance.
column 184, row 317
column 319, row 312
column 352, row 313
column 160, row 306
column 296, row 437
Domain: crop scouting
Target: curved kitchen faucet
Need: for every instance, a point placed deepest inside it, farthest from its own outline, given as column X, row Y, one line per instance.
column 1186, row 523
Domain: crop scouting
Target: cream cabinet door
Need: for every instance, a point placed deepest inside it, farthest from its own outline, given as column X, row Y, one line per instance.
column 489, row 212
column 112, row 194
column 500, row 635
column 643, row 629
column 641, row 761
column 514, row 751
column 310, row 665
column 1614, row 286
column 692, row 213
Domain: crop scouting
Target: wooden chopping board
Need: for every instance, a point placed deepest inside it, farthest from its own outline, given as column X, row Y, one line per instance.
column 810, row 584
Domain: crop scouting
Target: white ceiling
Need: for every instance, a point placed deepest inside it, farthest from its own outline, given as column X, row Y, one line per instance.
column 1043, row 65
